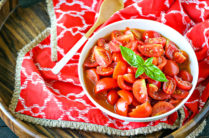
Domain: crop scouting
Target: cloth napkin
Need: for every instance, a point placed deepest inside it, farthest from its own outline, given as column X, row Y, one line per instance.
column 44, row 98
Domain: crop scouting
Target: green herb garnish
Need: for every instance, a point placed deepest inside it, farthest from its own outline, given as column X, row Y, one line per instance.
column 142, row 66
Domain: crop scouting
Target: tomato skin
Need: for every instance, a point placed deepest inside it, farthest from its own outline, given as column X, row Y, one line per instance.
column 162, row 61
column 161, row 107
column 104, row 71
column 157, row 83
column 150, row 34
column 116, row 56
column 158, row 40
column 141, row 111
column 151, row 50
column 126, row 38
column 170, row 49
column 132, row 45
column 114, row 45
column 90, row 60
column 130, row 70
column 105, row 84
column 135, row 102
column 174, row 102
column 102, row 56
column 92, row 75
column 180, row 94
column 101, row 42
column 140, row 90
column 126, row 95
column 171, row 68
column 112, row 97
column 121, row 107
column 136, row 34
column 179, row 57
column 115, row 34
column 121, row 83
column 156, row 94
column 120, row 69
column 184, row 85
column 130, row 78
column 185, row 75
column 155, row 61
column 170, row 86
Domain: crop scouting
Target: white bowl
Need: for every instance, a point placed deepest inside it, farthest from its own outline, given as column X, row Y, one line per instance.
column 166, row 31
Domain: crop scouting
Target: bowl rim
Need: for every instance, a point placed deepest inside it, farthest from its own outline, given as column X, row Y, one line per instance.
column 146, row 119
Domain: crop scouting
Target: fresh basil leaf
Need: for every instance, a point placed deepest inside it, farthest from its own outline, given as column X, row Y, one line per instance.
column 155, row 73
column 130, row 56
column 139, row 71
column 140, row 59
column 148, row 62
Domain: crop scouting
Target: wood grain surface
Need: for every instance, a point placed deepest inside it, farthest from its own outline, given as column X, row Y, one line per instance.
column 22, row 26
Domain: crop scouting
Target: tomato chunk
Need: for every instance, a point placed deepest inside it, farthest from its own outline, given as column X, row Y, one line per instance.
column 91, row 61
column 170, row 86
column 151, row 50
column 180, row 94
column 170, row 49
column 157, row 83
column 121, row 107
column 132, row 45
column 120, row 69
column 150, row 34
column 140, row 90
column 174, row 102
column 157, row 94
column 105, row 84
column 158, row 40
column 101, row 42
column 92, row 75
column 126, row 95
column 184, row 85
column 112, row 97
column 185, row 75
column 115, row 34
column 116, row 56
column 179, row 57
column 161, row 107
column 136, row 34
column 171, row 68
column 104, row 71
column 122, row 84
column 103, row 57
column 114, row 45
column 143, row 110
column 162, row 61
column 130, row 78
column 126, row 38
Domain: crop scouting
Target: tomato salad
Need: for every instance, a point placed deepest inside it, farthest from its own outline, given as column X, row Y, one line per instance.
column 137, row 73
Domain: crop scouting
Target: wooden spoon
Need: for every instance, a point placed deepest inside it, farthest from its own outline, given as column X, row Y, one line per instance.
column 107, row 9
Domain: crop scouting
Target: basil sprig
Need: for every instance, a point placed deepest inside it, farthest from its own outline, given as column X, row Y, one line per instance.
column 142, row 66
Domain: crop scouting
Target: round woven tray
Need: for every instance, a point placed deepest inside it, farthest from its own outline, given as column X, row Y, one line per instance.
column 19, row 26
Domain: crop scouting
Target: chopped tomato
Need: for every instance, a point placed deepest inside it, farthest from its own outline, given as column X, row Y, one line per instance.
column 162, row 61
column 180, row 94
column 150, row 34
column 179, row 57
column 116, row 56
column 103, row 57
column 136, row 34
column 120, row 69
column 126, row 95
column 155, row 61
column 112, row 97
column 151, row 50
column 185, row 75
column 130, row 78
column 132, row 45
column 105, row 84
column 135, row 102
column 140, row 91
column 143, row 110
column 92, row 75
column 114, row 45
column 170, row 49
column 170, row 86
column 126, row 38
column 161, row 107
column 158, row 40
column 101, row 42
column 171, row 68
column 157, row 83
column 122, row 84
column 115, row 34
column 174, row 102
column 91, row 61
column 104, row 71
column 121, row 107
column 130, row 70
column 156, row 94
column 184, row 85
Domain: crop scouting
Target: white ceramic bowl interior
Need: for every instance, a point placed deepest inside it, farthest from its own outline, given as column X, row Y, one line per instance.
column 166, row 31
